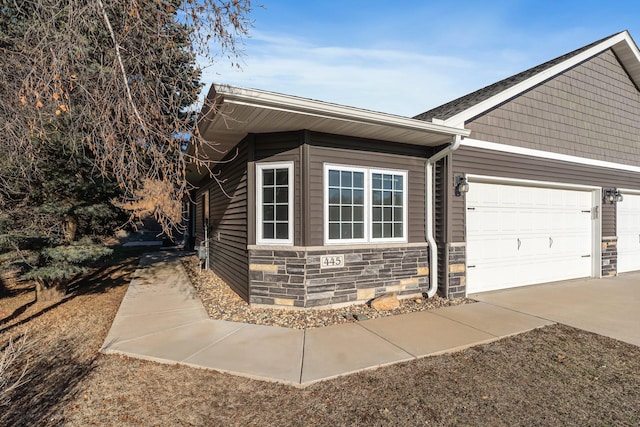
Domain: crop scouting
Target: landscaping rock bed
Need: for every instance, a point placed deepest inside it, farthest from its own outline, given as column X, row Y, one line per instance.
column 223, row 304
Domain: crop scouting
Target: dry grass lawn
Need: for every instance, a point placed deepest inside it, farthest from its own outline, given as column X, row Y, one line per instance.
column 551, row 376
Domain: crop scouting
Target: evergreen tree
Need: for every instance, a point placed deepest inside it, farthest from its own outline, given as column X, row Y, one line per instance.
column 95, row 100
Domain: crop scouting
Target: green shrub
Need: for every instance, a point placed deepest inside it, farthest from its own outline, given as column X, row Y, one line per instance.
column 59, row 264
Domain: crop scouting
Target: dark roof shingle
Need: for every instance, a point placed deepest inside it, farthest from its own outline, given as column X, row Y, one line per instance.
column 450, row 109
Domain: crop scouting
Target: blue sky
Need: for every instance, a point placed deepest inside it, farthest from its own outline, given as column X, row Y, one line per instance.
column 404, row 56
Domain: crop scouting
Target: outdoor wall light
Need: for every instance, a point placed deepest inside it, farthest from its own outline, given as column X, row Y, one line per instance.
column 462, row 186
column 612, row 195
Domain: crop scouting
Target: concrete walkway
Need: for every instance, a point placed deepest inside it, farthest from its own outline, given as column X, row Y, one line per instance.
column 162, row 319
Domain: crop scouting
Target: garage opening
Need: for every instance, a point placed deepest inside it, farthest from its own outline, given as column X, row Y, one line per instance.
column 523, row 235
column 628, row 230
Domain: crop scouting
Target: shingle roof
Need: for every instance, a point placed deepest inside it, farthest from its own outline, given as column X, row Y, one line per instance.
column 450, row 109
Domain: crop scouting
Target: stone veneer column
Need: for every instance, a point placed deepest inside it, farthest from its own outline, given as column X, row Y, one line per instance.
column 457, row 270
column 609, row 256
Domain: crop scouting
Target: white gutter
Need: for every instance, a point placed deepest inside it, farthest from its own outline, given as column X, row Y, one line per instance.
column 429, row 208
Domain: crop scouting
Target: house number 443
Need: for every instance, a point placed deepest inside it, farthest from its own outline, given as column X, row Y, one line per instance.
column 331, row 261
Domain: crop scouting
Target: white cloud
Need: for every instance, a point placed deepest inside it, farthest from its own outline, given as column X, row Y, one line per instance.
column 392, row 81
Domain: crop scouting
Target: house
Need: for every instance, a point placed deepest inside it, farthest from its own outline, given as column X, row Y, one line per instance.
column 533, row 179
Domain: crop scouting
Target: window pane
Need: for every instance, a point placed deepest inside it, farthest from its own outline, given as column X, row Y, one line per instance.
column 334, row 196
column 397, row 182
column 334, row 213
column 387, row 182
column 397, row 230
column 386, row 198
column 346, row 231
column 267, row 176
column 358, row 213
column 282, row 212
column 386, row 214
column 334, row 178
column 282, row 195
column 282, row 177
column 334, row 230
column 376, row 214
column 346, row 197
column 358, row 230
column 268, row 230
column 282, row 230
column 397, row 199
column 358, row 180
column 376, row 181
column 386, row 230
column 267, row 213
column 345, row 180
column 346, row 214
column 358, row 197
column 377, row 230
column 267, row 195
column 397, row 214
column 376, row 197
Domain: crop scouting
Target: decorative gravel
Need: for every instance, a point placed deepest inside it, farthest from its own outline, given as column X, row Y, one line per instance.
column 222, row 303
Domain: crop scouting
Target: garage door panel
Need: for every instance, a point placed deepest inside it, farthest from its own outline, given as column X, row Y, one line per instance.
column 628, row 224
column 490, row 249
column 525, row 235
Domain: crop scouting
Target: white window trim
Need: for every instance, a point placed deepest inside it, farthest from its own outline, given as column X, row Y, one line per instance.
column 368, row 171
column 405, row 208
column 274, row 165
column 325, row 185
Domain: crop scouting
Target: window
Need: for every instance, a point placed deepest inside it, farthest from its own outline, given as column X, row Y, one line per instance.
column 274, row 211
column 345, row 203
column 364, row 205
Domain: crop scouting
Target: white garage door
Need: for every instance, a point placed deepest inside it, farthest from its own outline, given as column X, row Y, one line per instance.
column 628, row 224
column 526, row 235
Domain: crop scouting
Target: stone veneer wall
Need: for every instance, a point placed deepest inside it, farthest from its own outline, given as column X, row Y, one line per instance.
column 457, row 270
column 609, row 256
column 293, row 277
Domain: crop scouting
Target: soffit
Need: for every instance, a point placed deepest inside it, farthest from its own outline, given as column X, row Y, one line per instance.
column 232, row 113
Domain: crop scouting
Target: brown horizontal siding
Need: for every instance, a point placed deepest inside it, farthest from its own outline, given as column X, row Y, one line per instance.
column 199, row 227
column 491, row 163
column 228, row 222
column 276, row 147
column 609, row 225
column 366, row 153
column 591, row 110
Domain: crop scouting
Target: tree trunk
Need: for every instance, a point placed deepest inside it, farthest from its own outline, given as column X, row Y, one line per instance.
column 70, row 228
column 50, row 293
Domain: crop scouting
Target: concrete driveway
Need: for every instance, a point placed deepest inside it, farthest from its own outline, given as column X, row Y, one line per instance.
column 608, row 306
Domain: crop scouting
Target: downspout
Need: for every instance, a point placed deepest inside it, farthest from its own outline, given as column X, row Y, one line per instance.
column 429, row 213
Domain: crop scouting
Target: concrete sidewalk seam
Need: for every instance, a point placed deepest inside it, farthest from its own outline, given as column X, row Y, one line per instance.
column 159, row 332
column 304, row 341
column 516, row 311
column 218, row 341
column 178, row 310
column 466, row 324
column 387, row 341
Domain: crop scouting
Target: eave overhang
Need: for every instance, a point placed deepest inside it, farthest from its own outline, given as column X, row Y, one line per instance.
column 231, row 113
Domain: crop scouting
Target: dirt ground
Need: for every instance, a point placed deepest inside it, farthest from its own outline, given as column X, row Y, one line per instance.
column 552, row 376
